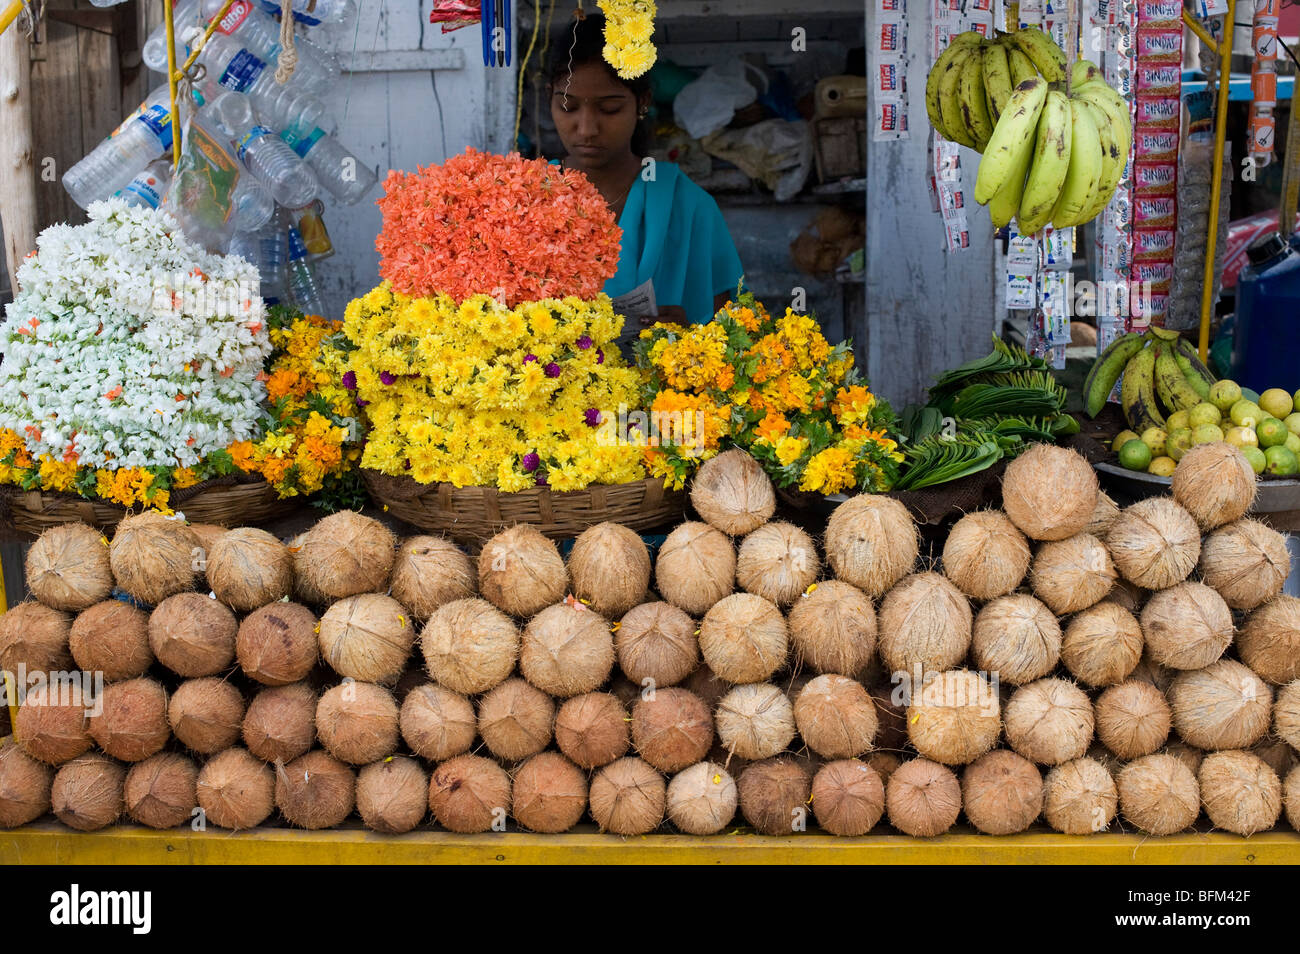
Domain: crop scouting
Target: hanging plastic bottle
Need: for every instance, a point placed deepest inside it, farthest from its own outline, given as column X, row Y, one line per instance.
column 273, row 250
column 301, row 277
column 277, row 167
column 1261, row 124
column 282, row 108
column 314, row 12
column 150, row 187
column 184, row 14
column 254, row 206
column 144, row 136
column 317, row 69
column 311, row 226
column 342, row 174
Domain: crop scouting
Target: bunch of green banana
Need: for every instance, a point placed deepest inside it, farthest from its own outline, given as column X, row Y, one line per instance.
column 1160, row 370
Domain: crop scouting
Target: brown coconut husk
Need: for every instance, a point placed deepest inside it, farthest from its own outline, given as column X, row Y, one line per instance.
column 1103, row 515
column 1187, row 626
column 744, row 638
column 208, row 534
column 1102, row 644
column 1159, row 795
column 161, row 792
column 280, row 723
column 193, row 635
column 702, row 799
column 345, row 554
column 1187, row 754
column 235, row 790
column 206, row 714
column 367, row 638
column 430, row 572
column 592, row 729
column 521, row 572
column 111, row 637
column 955, row 718
column 625, row 691
column 706, row 684
column 732, row 493
column 1240, row 792
column 848, row 797
column 469, row 646
column 549, row 794
column 985, row 556
column 1127, row 596
column 1049, row 721
column 68, row 567
column 833, row 628
column 1155, row 543
column 774, row 796
column 1223, row 706
column 610, row 568
column 515, row 720
column 628, row 797
column 567, row 650
column 154, row 557
column 356, row 722
column 436, row 723
column 1080, row 797
column 884, row 764
column 1133, row 719
column 778, row 562
column 925, row 623
column 131, row 724
column 1215, row 483
column 1050, row 492
column 392, row 795
column 1002, row 793
column 656, row 642
column 872, row 542
column 1286, row 714
column 1291, row 797
column 1269, row 641
column 1018, row 638
column 1246, row 562
column 248, row 568
column 672, row 729
column 469, row 794
column 695, row 567
column 891, row 711
column 276, row 644
column 52, row 725
column 836, row 717
column 755, row 721
column 87, row 792
column 24, row 785
column 1072, row 574
column 315, row 791
column 35, row 638
column 923, row 798
column 1150, row 671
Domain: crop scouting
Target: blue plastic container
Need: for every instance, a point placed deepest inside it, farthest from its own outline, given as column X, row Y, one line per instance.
column 1266, row 349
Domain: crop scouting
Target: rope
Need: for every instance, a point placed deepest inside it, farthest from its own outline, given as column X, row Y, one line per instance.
column 288, row 61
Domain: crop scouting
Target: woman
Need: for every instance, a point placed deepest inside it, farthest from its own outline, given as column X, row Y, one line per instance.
column 678, row 261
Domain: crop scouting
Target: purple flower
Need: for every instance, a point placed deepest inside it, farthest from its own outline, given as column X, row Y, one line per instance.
column 386, row 378
column 600, row 356
column 541, row 480
column 591, row 416
column 552, row 370
column 362, row 402
column 350, row 380
column 529, row 358
column 584, row 342
column 531, row 462
column 406, row 464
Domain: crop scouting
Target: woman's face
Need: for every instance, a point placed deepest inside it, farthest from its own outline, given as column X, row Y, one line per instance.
column 595, row 116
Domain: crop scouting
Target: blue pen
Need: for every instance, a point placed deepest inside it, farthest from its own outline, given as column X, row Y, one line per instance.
column 508, row 18
column 485, row 21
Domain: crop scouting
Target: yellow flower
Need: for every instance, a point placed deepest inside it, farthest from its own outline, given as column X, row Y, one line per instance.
column 790, row 449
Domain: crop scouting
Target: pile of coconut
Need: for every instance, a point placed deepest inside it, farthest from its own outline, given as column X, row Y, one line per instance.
column 1060, row 660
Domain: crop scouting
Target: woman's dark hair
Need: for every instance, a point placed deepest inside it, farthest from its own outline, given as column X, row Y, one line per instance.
column 584, row 43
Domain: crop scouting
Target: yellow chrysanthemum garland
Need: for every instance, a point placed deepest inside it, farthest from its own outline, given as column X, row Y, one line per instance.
column 629, row 24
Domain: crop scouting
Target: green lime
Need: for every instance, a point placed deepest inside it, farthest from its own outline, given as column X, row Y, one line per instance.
column 1282, row 461
column 1256, row 457
column 1135, row 455
column 1271, row 432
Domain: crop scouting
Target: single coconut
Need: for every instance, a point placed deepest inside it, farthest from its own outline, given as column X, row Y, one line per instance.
column 52, row 724
column 706, row 684
column 1246, row 562
column 1103, row 515
column 24, row 786
column 549, row 793
column 366, row 637
column 702, row 799
column 430, row 572
column 955, row 718
column 1102, row 645
column 1133, row 719
column 111, row 637
column 436, row 723
column 515, row 720
column 985, row 555
column 732, row 493
column 1049, row 492
column 280, row 723
column 1049, row 721
column 1241, row 794
column 744, row 638
column 656, row 642
column 345, row 554
column 1187, row 626
column 248, row 568
column 592, row 729
column 696, row 567
column 755, row 721
column 208, row 534
column 610, row 568
column 276, row 645
column 1286, row 714
column 1223, row 706
column 356, row 722
column 833, row 628
column 1269, row 641
column 628, row 797
column 1158, row 794
column 161, row 791
column 392, row 795
column 154, row 557
column 1215, row 483
column 778, row 562
column 1002, row 793
column 567, row 650
column 1080, row 797
column 193, row 635
column 1018, row 638
column 774, row 796
column 206, row 714
column 836, row 717
column 1072, row 574
column 872, row 543
column 469, row 794
column 923, row 798
column 848, row 797
column 87, row 792
column 1291, row 797
column 469, row 646
column 1188, row 755
column 315, row 791
column 68, row 567
column 131, row 721
column 521, row 572
column 1155, row 543
column 672, row 729
column 35, row 639
column 235, row 790
column 884, row 764
column 925, row 625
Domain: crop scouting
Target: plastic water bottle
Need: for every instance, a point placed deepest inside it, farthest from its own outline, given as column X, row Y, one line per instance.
column 345, row 176
column 317, row 70
column 277, row 167
column 301, row 278
column 273, row 249
column 238, row 68
column 314, row 12
column 144, row 136
column 154, row 54
column 282, row 108
column 150, row 187
column 253, row 205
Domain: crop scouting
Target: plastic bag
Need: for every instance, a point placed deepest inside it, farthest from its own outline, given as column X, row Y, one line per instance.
column 201, row 197
column 777, row 153
column 709, row 103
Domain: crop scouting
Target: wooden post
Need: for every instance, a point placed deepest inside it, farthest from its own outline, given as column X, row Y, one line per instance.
column 17, row 169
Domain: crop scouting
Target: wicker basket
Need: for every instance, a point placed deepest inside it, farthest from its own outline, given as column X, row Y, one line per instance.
column 471, row 514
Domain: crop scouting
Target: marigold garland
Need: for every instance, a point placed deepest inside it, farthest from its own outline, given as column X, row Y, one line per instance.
column 629, row 24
